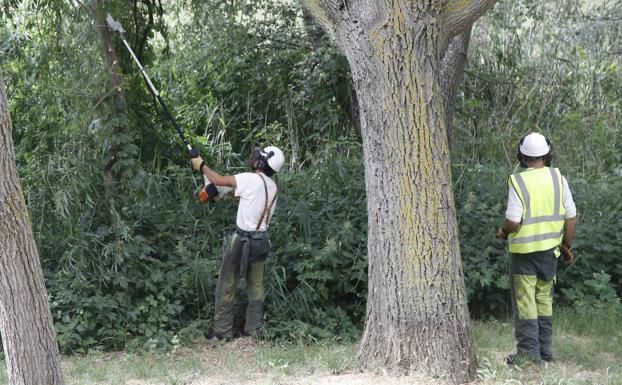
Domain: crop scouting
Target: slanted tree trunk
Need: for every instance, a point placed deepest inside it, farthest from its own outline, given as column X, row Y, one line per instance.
column 417, row 315
column 452, row 73
column 28, row 339
column 117, row 101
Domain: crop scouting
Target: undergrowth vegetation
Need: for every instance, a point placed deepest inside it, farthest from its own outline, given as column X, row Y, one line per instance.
column 133, row 264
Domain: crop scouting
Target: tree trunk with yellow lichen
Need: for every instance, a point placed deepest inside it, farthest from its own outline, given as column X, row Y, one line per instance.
column 28, row 339
column 417, row 315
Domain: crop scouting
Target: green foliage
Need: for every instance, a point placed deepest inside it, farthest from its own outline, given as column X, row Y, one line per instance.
column 140, row 259
column 480, row 199
column 593, row 294
column 259, row 73
column 149, row 274
column 599, row 231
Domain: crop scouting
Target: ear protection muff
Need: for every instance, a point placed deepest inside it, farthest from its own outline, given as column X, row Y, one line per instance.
column 547, row 158
column 519, row 155
column 262, row 159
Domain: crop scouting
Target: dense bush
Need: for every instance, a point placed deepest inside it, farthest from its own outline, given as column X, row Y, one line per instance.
column 318, row 276
column 150, row 273
column 160, row 282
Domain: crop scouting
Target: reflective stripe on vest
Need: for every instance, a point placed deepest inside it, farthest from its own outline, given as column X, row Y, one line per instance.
column 540, row 191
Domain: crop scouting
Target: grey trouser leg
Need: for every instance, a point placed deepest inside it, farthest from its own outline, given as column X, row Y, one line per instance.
column 226, row 287
column 545, row 326
column 526, row 333
column 256, row 294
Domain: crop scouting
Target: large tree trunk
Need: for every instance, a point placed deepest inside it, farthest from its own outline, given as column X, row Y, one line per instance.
column 417, row 315
column 417, row 311
column 28, row 339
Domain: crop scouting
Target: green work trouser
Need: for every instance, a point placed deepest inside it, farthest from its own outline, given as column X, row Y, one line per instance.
column 227, row 285
column 532, row 278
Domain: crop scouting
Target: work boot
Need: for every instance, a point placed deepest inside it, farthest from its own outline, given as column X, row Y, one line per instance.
column 548, row 357
column 520, row 359
column 216, row 337
column 215, row 340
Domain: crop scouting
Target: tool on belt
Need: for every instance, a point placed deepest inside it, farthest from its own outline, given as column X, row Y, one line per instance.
column 209, row 191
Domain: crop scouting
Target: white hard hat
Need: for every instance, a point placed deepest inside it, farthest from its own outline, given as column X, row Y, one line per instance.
column 276, row 160
column 534, row 145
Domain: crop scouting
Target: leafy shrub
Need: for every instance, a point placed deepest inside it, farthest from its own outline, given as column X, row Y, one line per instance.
column 481, row 194
column 599, row 234
column 318, row 274
column 593, row 294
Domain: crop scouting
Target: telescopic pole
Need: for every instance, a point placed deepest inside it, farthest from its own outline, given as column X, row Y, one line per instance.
column 116, row 26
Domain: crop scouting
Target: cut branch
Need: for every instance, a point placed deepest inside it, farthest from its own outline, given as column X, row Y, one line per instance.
column 326, row 12
column 462, row 14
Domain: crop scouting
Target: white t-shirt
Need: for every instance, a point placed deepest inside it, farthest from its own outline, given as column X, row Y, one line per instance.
column 250, row 190
column 514, row 211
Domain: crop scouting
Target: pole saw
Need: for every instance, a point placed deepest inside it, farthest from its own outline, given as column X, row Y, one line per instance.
column 209, row 191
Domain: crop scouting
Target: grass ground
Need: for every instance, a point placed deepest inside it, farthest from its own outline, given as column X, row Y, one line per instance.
column 588, row 348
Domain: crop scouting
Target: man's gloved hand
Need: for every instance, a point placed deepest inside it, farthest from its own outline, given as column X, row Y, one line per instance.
column 197, row 162
column 501, row 234
column 193, row 153
column 567, row 254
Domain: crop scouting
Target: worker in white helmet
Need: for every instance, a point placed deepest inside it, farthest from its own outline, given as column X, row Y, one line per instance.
column 247, row 249
column 539, row 225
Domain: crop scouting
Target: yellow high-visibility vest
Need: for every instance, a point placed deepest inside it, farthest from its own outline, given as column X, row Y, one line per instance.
column 540, row 191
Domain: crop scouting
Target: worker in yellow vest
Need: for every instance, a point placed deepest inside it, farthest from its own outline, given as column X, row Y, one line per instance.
column 539, row 225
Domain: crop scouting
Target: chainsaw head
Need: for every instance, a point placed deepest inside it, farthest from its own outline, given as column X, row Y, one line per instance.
column 114, row 25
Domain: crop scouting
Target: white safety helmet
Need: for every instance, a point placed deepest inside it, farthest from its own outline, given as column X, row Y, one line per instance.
column 534, row 145
column 276, row 160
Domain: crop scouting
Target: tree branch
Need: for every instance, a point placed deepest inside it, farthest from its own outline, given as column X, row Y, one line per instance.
column 461, row 14
column 326, row 12
column 86, row 7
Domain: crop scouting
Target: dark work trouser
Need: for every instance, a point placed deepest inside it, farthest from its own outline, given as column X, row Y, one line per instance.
column 532, row 278
column 226, row 288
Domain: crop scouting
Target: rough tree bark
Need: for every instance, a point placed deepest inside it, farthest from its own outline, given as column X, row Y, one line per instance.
column 28, row 338
column 417, row 315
